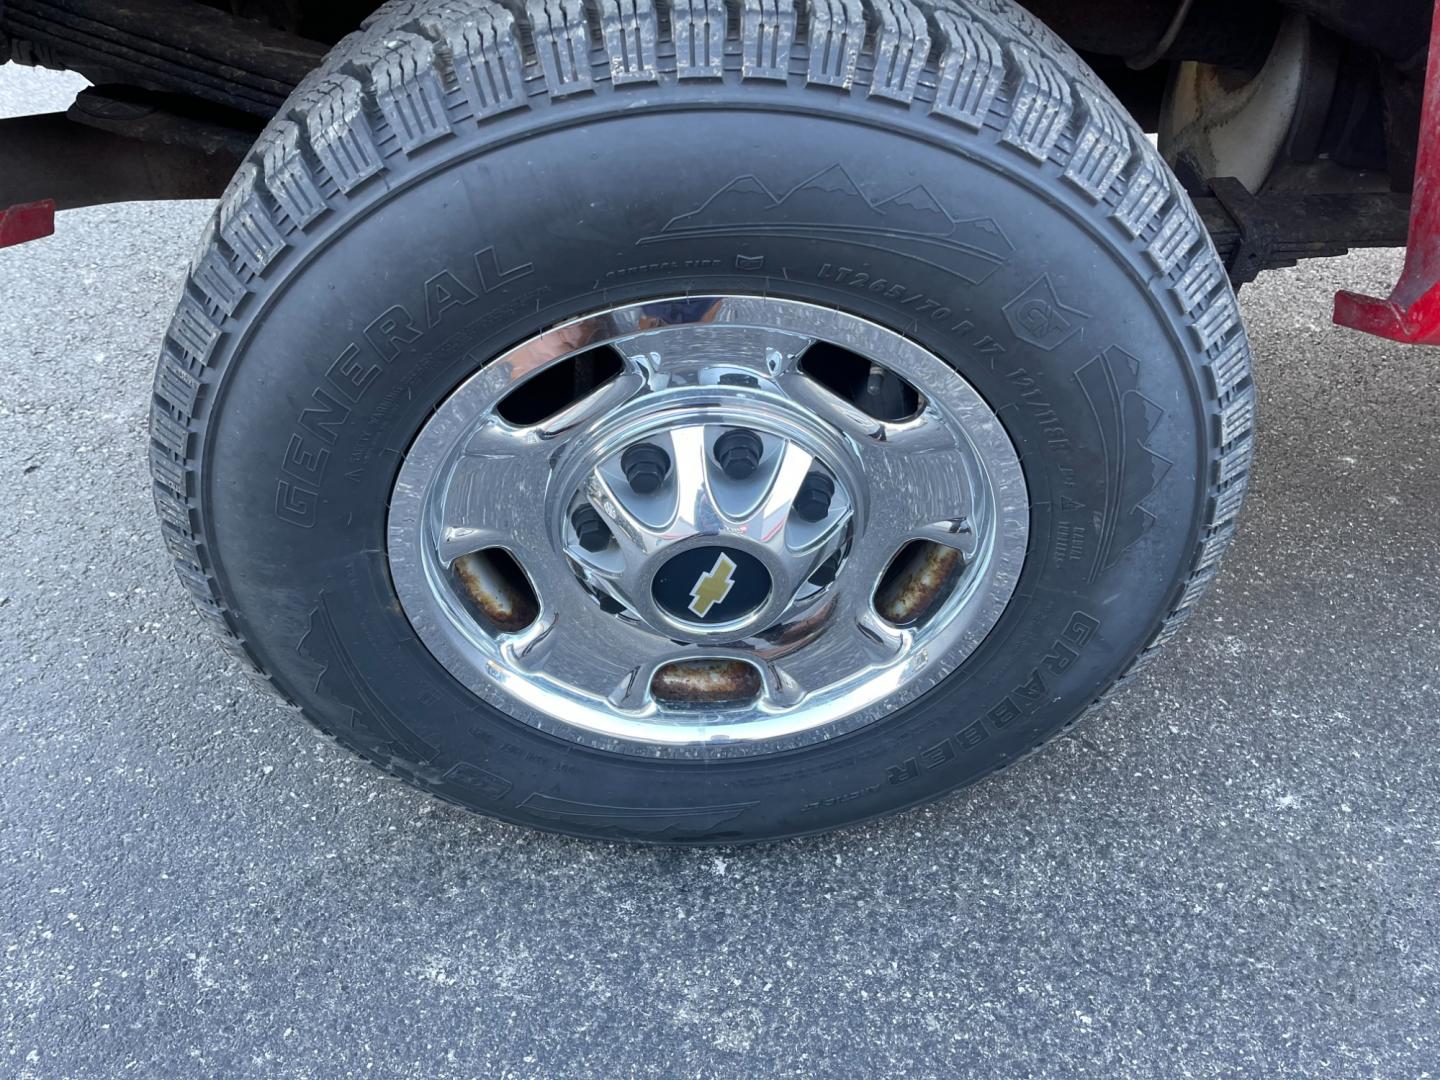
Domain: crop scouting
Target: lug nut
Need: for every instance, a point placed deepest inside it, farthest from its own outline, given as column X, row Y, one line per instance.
column 590, row 528
column 738, row 452
column 813, row 501
column 645, row 467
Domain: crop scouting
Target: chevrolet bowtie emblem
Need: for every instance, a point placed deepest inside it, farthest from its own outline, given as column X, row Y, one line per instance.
column 714, row 585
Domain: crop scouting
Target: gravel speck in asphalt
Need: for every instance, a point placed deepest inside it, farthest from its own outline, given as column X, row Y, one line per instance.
column 1234, row 871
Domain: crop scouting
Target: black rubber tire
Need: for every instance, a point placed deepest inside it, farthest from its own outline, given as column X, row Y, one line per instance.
column 457, row 177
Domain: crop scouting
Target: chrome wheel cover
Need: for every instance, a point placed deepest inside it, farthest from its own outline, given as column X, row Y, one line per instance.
column 609, row 621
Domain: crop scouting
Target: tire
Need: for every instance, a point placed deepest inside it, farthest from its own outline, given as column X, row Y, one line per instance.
column 453, row 181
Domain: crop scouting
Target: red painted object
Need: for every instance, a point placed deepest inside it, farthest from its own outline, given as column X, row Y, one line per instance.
column 28, row 221
column 1412, row 311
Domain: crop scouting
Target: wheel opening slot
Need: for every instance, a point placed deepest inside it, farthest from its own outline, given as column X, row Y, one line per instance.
column 825, row 573
column 705, row 682
column 870, row 387
column 563, row 383
column 496, row 589
column 917, row 582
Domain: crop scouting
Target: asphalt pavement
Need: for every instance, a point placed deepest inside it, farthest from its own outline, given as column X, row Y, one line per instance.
column 1235, row 871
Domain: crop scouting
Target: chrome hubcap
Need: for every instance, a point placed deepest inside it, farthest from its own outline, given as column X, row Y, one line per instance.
column 714, row 545
column 734, row 539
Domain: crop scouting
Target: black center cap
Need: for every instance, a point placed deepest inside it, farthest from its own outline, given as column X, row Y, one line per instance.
column 710, row 585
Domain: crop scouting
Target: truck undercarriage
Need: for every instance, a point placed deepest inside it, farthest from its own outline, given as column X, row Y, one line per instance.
column 1294, row 124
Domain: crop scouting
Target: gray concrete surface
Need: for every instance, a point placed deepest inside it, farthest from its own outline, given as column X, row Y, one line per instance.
column 1234, row 872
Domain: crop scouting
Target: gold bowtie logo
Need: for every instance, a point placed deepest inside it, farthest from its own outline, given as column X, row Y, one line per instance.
column 714, row 585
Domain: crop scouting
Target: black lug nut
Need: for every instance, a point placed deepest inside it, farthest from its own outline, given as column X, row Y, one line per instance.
column 813, row 501
column 645, row 467
column 738, row 452
column 590, row 528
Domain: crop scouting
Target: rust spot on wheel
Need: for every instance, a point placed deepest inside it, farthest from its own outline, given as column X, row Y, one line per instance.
column 496, row 585
column 921, row 576
column 706, row 681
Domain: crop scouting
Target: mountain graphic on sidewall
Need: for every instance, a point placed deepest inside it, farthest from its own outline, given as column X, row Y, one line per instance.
column 832, row 201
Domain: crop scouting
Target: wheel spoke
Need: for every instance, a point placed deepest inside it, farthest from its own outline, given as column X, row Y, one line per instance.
column 821, row 400
column 920, row 494
column 727, row 342
column 634, row 693
column 766, row 524
column 580, row 413
column 772, row 521
column 636, row 540
column 778, row 688
column 506, row 372
column 492, row 496
column 958, row 533
column 498, row 485
column 614, row 661
column 875, row 438
column 695, row 509
column 578, row 645
column 853, row 636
